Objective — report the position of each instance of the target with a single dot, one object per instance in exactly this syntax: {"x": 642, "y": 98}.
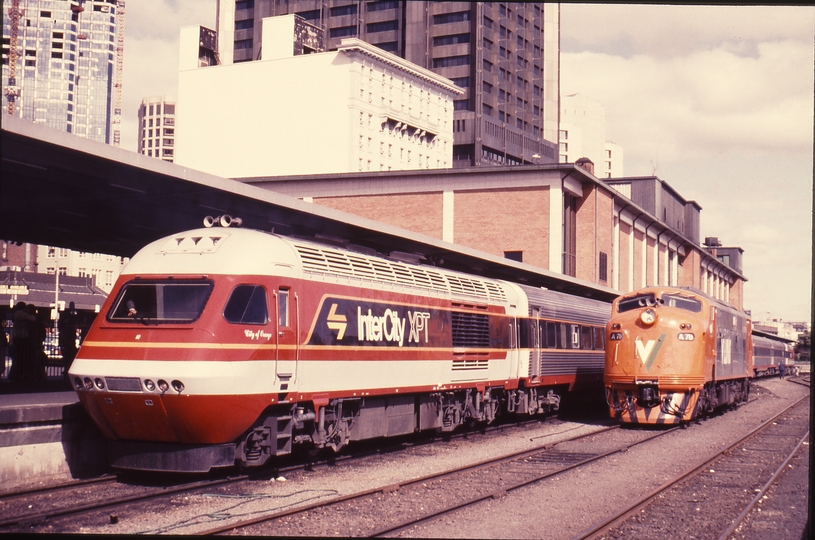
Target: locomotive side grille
{"x": 123, "y": 384}
{"x": 383, "y": 271}
{"x": 328, "y": 261}
{"x": 470, "y": 330}
{"x": 471, "y": 365}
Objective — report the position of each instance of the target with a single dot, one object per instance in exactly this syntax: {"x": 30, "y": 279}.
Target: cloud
{"x": 665, "y": 31}
{"x": 718, "y": 102}
{"x": 704, "y": 102}
{"x": 152, "y": 29}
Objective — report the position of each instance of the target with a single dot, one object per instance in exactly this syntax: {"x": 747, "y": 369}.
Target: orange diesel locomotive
{"x": 673, "y": 354}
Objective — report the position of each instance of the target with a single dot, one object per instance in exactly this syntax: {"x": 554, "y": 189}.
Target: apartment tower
{"x": 504, "y": 55}
{"x": 157, "y": 128}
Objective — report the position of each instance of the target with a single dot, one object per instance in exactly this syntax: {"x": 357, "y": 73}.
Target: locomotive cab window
{"x": 247, "y": 305}
{"x": 160, "y": 301}
{"x": 682, "y": 302}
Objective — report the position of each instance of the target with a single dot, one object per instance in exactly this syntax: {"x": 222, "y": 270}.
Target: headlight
{"x": 649, "y": 316}
{"x": 100, "y": 384}
{"x": 178, "y": 386}
{"x": 149, "y": 385}
{"x": 162, "y": 385}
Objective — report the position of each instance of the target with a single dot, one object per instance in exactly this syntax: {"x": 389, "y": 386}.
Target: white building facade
{"x": 157, "y": 127}
{"x": 355, "y": 109}
{"x": 583, "y": 134}
{"x": 103, "y": 268}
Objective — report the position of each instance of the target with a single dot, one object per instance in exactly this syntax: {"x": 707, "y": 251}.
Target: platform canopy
{"x": 62, "y": 190}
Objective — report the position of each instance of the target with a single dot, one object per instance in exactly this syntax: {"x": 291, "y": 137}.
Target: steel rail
{"x": 763, "y": 490}
{"x": 500, "y": 493}
{"x": 628, "y": 511}
{"x": 57, "y": 487}
{"x": 397, "y": 486}
{"x": 37, "y": 517}
{"x": 98, "y": 505}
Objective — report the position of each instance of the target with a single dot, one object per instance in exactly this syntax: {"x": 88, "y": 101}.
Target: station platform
{"x": 45, "y": 435}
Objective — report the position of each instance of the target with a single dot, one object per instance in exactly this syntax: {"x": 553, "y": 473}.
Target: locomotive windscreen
{"x": 682, "y": 302}
{"x": 161, "y": 301}
{"x": 640, "y": 300}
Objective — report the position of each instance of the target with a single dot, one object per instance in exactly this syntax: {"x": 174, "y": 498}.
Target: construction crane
{"x": 117, "y": 75}
{"x": 12, "y": 91}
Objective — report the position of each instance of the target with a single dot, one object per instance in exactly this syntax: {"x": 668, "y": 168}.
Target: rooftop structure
{"x": 504, "y": 56}
{"x": 358, "y": 108}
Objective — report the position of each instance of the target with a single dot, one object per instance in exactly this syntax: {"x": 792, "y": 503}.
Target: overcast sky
{"x": 715, "y": 100}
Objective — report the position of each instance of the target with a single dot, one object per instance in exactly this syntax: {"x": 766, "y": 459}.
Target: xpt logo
{"x": 391, "y": 326}
{"x": 647, "y": 351}
{"x": 337, "y": 322}
{"x": 375, "y": 323}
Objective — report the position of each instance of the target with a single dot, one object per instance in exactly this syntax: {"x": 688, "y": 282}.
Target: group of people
{"x": 28, "y": 334}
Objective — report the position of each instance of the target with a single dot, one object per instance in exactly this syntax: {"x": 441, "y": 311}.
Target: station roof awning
{"x": 62, "y": 190}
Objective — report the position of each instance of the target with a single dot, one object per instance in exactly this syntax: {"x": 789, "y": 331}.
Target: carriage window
{"x": 638, "y": 301}
{"x": 247, "y": 305}
{"x": 160, "y": 301}
{"x": 283, "y": 306}
{"x": 599, "y": 339}
{"x": 562, "y": 336}
{"x": 574, "y": 332}
{"x": 550, "y": 339}
{"x": 586, "y": 339}
{"x": 682, "y": 302}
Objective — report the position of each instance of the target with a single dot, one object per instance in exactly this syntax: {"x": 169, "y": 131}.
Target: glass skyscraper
{"x": 66, "y": 64}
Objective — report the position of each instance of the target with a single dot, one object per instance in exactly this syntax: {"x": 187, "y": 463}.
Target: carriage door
{"x": 535, "y": 345}
{"x": 287, "y": 327}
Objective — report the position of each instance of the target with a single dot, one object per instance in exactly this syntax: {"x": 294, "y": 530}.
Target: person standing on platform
{"x": 19, "y": 341}
{"x": 34, "y": 357}
{"x": 68, "y": 324}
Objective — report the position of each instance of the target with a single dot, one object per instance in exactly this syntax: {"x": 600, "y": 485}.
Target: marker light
{"x": 648, "y": 316}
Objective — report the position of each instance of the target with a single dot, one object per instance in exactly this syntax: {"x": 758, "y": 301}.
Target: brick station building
{"x": 624, "y": 233}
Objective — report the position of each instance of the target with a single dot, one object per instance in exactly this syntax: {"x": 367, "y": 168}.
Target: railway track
{"x": 715, "y": 483}
{"x": 396, "y": 506}
{"x": 418, "y": 500}
{"x": 28, "y": 508}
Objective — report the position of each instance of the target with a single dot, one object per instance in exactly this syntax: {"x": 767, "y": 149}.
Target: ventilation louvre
{"x": 321, "y": 260}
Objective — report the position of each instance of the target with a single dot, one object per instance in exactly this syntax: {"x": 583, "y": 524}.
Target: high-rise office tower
{"x": 157, "y": 128}
{"x": 62, "y": 63}
{"x": 505, "y": 56}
